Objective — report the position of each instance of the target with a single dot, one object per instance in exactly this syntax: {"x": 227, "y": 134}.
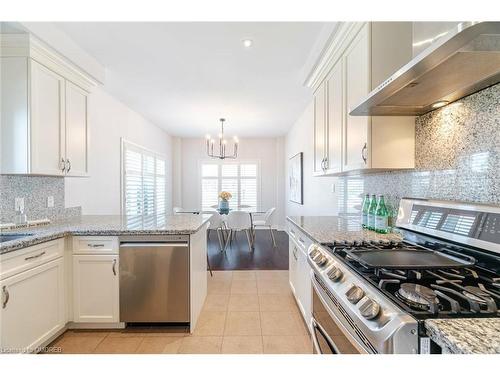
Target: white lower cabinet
{"x": 33, "y": 307}
{"x": 300, "y": 272}
{"x": 304, "y": 294}
{"x": 96, "y": 289}
{"x": 293, "y": 265}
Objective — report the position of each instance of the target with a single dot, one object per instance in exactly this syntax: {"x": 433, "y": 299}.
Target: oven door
{"x": 327, "y": 334}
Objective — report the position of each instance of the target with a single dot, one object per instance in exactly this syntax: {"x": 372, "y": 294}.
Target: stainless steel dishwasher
{"x": 154, "y": 279}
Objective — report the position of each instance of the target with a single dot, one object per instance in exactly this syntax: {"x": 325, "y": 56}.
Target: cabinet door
{"x": 47, "y": 120}
{"x": 305, "y": 291}
{"x": 76, "y": 130}
{"x": 357, "y": 81}
{"x": 95, "y": 288}
{"x": 319, "y": 128}
{"x": 33, "y": 306}
{"x": 293, "y": 265}
{"x": 335, "y": 119}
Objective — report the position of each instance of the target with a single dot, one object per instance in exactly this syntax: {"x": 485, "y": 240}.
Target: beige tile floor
{"x": 246, "y": 312}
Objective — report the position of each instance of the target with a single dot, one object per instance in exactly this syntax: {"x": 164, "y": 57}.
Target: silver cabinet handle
{"x": 69, "y": 165}
{"x": 95, "y": 245}
{"x": 326, "y": 163}
{"x": 63, "y": 165}
{"x": 300, "y": 240}
{"x": 295, "y": 253}
{"x": 363, "y": 150}
{"x": 114, "y": 267}
{"x": 35, "y": 256}
{"x": 6, "y": 296}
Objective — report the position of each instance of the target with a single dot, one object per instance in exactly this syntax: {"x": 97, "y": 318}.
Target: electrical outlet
{"x": 19, "y": 204}
{"x": 50, "y": 201}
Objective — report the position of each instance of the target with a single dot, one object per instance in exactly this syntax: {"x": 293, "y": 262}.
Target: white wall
{"x": 318, "y": 197}
{"x": 268, "y": 151}
{"x": 109, "y": 121}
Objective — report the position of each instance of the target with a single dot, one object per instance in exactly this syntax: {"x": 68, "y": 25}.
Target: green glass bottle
{"x": 381, "y": 216}
{"x": 364, "y": 211}
{"x": 371, "y": 212}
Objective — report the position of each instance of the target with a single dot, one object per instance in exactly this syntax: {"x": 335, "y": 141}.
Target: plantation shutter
{"x": 241, "y": 180}
{"x": 144, "y": 184}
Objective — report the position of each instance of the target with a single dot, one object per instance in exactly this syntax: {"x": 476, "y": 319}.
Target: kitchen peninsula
{"x": 69, "y": 273}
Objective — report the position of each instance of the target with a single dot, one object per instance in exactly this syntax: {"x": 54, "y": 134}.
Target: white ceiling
{"x": 184, "y": 76}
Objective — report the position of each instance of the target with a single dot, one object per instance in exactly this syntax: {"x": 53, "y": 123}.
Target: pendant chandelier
{"x": 222, "y": 145}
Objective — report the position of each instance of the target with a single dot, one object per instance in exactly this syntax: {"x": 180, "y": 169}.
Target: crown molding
{"x": 26, "y": 45}
{"x": 335, "y": 46}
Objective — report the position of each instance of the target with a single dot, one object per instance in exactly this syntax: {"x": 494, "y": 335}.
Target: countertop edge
{"x": 41, "y": 238}
{"x": 455, "y": 345}
{"x": 288, "y": 218}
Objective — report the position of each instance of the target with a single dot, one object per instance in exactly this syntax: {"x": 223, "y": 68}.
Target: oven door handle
{"x": 316, "y": 327}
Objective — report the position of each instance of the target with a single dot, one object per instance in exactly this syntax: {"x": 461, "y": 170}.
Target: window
{"x": 144, "y": 186}
{"x": 240, "y": 179}
{"x": 351, "y": 195}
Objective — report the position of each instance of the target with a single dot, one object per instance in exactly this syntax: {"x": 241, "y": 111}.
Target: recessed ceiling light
{"x": 247, "y": 42}
{"x": 439, "y": 104}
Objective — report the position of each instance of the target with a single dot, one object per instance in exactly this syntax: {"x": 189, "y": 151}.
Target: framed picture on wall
{"x": 295, "y": 179}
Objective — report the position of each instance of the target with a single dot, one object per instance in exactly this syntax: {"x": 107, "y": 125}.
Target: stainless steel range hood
{"x": 464, "y": 61}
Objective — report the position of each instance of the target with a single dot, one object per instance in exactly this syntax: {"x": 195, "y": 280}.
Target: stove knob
{"x": 316, "y": 256}
{"x": 334, "y": 274}
{"x": 368, "y": 308}
{"x": 354, "y": 294}
{"x": 313, "y": 253}
{"x": 320, "y": 260}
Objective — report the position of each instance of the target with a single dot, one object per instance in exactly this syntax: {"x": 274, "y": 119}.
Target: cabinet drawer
{"x": 95, "y": 245}
{"x": 22, "y": 260}
{"x": 299, "y": 237}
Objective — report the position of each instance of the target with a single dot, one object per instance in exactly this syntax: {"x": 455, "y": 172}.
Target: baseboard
{"x": 73, "y": 325}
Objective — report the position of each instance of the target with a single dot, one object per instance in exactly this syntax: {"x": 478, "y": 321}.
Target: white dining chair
{"x": 266, "y": 223}
{"x": 216, "y": 224}
{"x": 237, "y": 221}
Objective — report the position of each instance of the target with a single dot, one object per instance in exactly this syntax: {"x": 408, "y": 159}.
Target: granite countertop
{"x": 105, "y": 225}
{"x": 329, "y": 229}
{"x": 465, "y": 336}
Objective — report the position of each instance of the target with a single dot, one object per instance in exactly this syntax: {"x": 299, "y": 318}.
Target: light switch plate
{"x": 50, "y": 201}
{"x": 333, "y": 188}
{"x": 19, "y": 204}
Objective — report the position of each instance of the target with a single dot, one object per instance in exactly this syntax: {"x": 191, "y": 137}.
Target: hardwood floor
{"x": 238, "y": 257}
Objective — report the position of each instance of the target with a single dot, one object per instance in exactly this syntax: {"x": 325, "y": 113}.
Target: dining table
{"x": 250, "y": 210}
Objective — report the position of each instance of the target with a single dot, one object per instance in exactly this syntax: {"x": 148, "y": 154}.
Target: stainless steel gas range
{"x": 375, "y": 297}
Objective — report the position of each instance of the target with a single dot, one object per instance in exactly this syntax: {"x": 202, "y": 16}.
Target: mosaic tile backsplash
{"x": 457, "y": 157}
{"x": 35, "y": 191}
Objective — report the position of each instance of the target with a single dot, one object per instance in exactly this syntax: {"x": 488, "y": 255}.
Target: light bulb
{"x": 439, "y": 104}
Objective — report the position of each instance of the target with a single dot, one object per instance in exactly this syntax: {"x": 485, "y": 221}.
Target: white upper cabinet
{"x": 44, "y": 120}
{"x": 335, "y": 119}
{"x": 76, "y": 130}
{"x": 320, "y": 123}
{"x": 357, "y": 80}
{"x": 47, "y": 120}
{"x": 362, "y": 55}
